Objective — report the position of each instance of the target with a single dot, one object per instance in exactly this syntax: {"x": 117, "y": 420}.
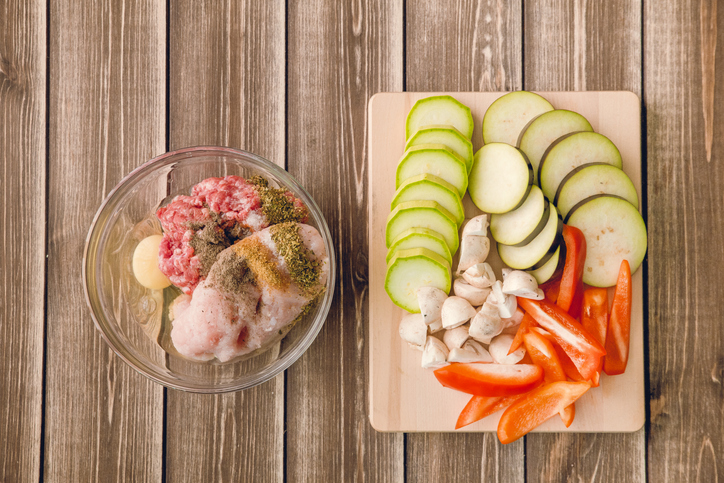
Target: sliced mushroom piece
{"x": 480, "y": 275}
{"x": 435, "y": 354}
{"x": 471, "y": 351}
{"x": 522, "y": 284}
{"x": 505, "y": 271}
{"x": 435, "y": 326}
{"x": 506, "y": 303}
{"x": 473, "y": 250}
{"x": 475, "y": 295}
{"x": 476, "y": 226}
{"x": 430, "y": 300}
{"x": 486, "y": 324}
{"x": 515, "y": 320}
{"x": 455, "y": 338}
{"x": 413, "y": 329}
{"x": 499, "y": 347}
{"x": 456, "y": 311}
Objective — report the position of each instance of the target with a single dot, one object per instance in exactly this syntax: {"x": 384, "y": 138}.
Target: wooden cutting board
{"x": 405, "y": 397}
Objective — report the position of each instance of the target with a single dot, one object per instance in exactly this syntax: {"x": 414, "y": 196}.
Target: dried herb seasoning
{"x": 303, "y": 269}
{"x": 278, "y": 204}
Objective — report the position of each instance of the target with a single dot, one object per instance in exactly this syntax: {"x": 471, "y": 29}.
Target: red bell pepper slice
{"x": 544, "y": 354}
{"x": 482, "y": 379}
{"x": 551, "y": 289}
{"x": 594, "y": 318}
{"x": 619, "y": 324}
{"x": 581, "y": 347}
{"x": 523, "y": 328}
{"x": 536, "y": 407}
{"x": 480, "y": 407}
{"x": 568, "y": 366}
{"x": 570, "y": 296}
{"x": 568, "y": 413}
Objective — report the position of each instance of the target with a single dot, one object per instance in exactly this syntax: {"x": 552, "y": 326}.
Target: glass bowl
{"x": 134, "y": 320}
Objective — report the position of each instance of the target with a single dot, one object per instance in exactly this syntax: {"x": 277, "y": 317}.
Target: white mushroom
{"x": 522, "y": 284}
{"x": 506, "y": 303}
{"x": 430, "y": 300}
{"x": 505, "y": 271}
{"x": 499, "y": 347}
{"x": 476, "y": 226}
{"x": 435, "y": 354}
{"x": 480, "y": 275}
{"x": 515, "y": 320}
{"x": 435, "y": 326}
{"x": 473, "y": 249}
{"x": 475, "y": 295}
{"x": 455, "y": 338}
{"x": 486, "y": 324}
{"x": 456, "y": 311}
{"x": 472, "y": 351}
{"x": 413, "y": 330}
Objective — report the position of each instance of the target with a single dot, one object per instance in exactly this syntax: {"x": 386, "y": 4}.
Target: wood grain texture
{"x": 22, "y": 250}
{"x": 226, "y": 81}
{"x": 103, "y": 421}
{"x": 465, "y": 46}
{"x": 340, "y": 53}
{"x": 584, "y": 45}
{"x": 683, "y": 81}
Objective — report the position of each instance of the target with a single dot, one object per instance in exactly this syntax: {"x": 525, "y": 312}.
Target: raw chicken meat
{"x": 253, "y": 293}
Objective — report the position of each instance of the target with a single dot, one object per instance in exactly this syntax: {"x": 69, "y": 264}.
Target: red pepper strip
{"x": 482, "y": 379}
{"x": 567, "y": 414}
{"x": 536, "y": 407}
{"x": 480, "y": 407}
{"x": 594, "y": 318}
{"x": 570, "y": 297}
{"x": 524, "y": 327}
{"x": 568, "y": 366}
{"x": 580, "y": 346}
{"x": 551, "y": 288}
{"x": 619, "y": 324}
{"x": 543, "y": 353}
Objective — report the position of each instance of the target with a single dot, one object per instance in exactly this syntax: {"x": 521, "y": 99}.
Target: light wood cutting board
{"x": 405, "y": 397}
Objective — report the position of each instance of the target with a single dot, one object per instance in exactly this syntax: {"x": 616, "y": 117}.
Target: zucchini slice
{"x": 506, "y": 118}
{"x": 430, "y": 187}
{"x": 546, "y": 128}
{"x": 436, "y": 110}
{"x": 411, "y": 269}
{"x": 520, "y": 226}
{"x": 422, "y": 214}
{"x": 500, "y": 179}
{"x": 447, "y": 135}
{"x": 614, "y": 230}
{"x": 571, "y": 151}
{"x": 544, "y": 273}
{"x": 435, "y": 159}
{"x": 536, "y": 253}
{"x": 420, "y": 238}
{"x": 594, "y": 179}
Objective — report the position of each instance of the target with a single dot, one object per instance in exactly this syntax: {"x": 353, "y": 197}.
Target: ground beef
{"x": 230, "y": 203}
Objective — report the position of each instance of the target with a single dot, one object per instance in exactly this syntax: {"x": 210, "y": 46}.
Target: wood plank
{"x": 683, "y": 81}
{"x": 227, "y": 88}
{"x": 340, "y": 53}
{"x": 584, "y": 45}
{"x": 22, "y": 251}
{"x": 466, "y": 46}
{"x": 403, "y": 396}
{"x": 104, "y": 421}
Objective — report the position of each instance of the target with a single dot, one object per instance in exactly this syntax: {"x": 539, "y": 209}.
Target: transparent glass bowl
{"x": 134, "y": 320}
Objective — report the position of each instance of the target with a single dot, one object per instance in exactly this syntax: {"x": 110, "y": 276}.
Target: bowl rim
{"x": 298, "y": 349}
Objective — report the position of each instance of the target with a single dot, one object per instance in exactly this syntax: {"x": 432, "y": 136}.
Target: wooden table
{"x": 90, "y": 90}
